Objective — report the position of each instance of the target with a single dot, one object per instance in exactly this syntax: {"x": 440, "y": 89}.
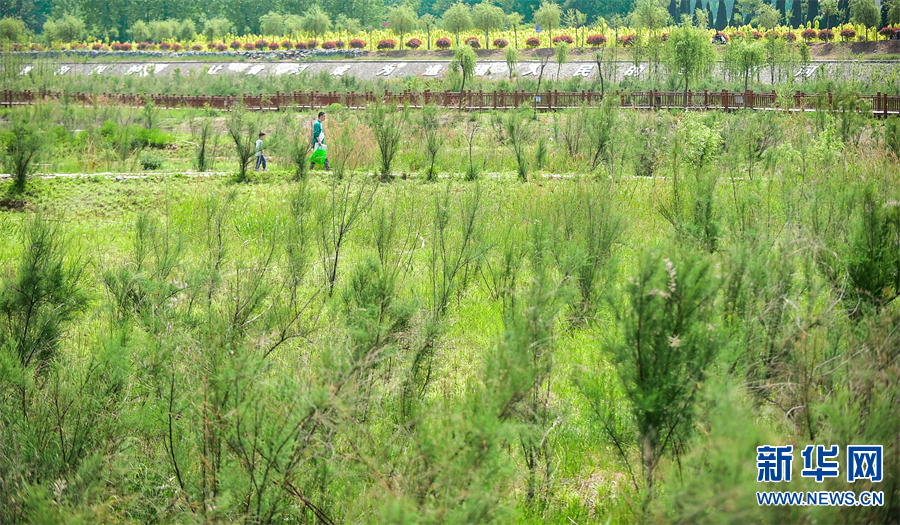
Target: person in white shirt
{"x": 260, "y": 157}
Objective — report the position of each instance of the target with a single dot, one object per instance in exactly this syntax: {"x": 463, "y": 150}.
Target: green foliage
{"x": 872, "y": 256}
{"x": 515, "y": 127}
{"x": 151, "y": 160}
{"x": 217, "y": 28}
{"x": 402, "y": 19}
{"x": 388, "y": 127}
{"x": 376, "y": 318}
{"x": 511, "y": 55}
{"x": 865, "y": 12}
{"x": 206, "y": 139}
{"x": 65, "y": 29}
{"x": 694, "y": 214}
{"x": 242, "y": 129}
{"x": 163, "y": 30}
{"x": 648, "y": 14}
{"x": 186, "y": 31}
{"x": 12, "y": 30}
{"x": 804, "y": 53}
{"x": 583, "y": 224}
{"x": 336, "y": 350}
{"x": 689, "y": 52}
{"x": 548, "y": 15}
{"x": 668, "y": 343}
{"x": 315, "y": 21}
{"x": 893, "y": 11}
{"x": 562, "y": 56}
{"x": 457, "y": 18}
{"x": 300, "y": 149}
{"x": 486, "y": 16}
{"x": 41, "y": 298}
{"x": 464, "y": 60}
{"x": 892, "y": 135}
{"x": 271, "y": 23}
{"x": 600, "y": 133}
{"x": 521, "y": 366}
{"x": 140, "y": 31}
{"x": 541, "y": 152}
{"x": 346, "y": 203}
{"x": 769, "y": 17}
{"x": 22, "y": 145}
{"x": 429, "y": 128}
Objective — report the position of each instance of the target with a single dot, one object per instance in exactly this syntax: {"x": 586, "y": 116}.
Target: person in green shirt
{"x": 318, "y": 140}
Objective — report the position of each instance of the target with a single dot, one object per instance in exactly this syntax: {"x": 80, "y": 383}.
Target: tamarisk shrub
{"x": 667, "y": 343}
{"x": 242, "y": 129}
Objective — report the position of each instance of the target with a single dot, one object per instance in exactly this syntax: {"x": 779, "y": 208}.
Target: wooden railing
{"x": 880, "y": 104}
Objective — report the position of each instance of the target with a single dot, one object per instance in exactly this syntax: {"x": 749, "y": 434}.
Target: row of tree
{"x": 78, "y": 19}
{"x": 796, "y": 13}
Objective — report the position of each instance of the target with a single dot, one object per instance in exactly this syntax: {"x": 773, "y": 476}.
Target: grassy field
{"x": 591, "y": 317}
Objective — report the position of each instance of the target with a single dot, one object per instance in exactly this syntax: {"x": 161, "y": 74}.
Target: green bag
{"x": 318, "y": 156}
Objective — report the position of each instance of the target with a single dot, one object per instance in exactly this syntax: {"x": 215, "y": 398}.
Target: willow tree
{"x": 514, "y": 21}
{"x": 463, "y": 62}
{"x": 548, "y": 15}
{"x": 457, "y": 19}
{"x": 689, "y": 52}
{"x": 742, "y": 58}
{"x": 487, "y": 16}
{"x": 315, "y": 21}
{"x": 402, "y": 20}
{"x": 427, "y": 22}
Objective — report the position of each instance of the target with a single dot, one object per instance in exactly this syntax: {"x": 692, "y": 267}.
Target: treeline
{"x": 69, "y": 20}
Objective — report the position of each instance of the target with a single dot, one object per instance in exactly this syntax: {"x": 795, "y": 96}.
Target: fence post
{"x": 725, "y": 100}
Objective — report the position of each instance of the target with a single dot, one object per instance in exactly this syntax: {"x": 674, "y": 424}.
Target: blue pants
{"x": 260, "y": 161}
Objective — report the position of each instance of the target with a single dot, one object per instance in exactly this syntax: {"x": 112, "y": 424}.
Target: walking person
{"x": 260, "y": 157}
{"x": 318, "y": 140}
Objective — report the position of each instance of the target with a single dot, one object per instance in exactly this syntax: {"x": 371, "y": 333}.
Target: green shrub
{"x": 22, "y": 145}
{"x": 668, "y": 341}
{"x": 42, "y": 297}
{"x": 151, "y": 160}
{"x": 892, "y": 135}
{"x": 387, "y": 125}
{"x": 872, "y": 259}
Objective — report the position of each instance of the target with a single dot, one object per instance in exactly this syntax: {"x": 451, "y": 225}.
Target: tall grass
{"x": 338, "y": 350}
